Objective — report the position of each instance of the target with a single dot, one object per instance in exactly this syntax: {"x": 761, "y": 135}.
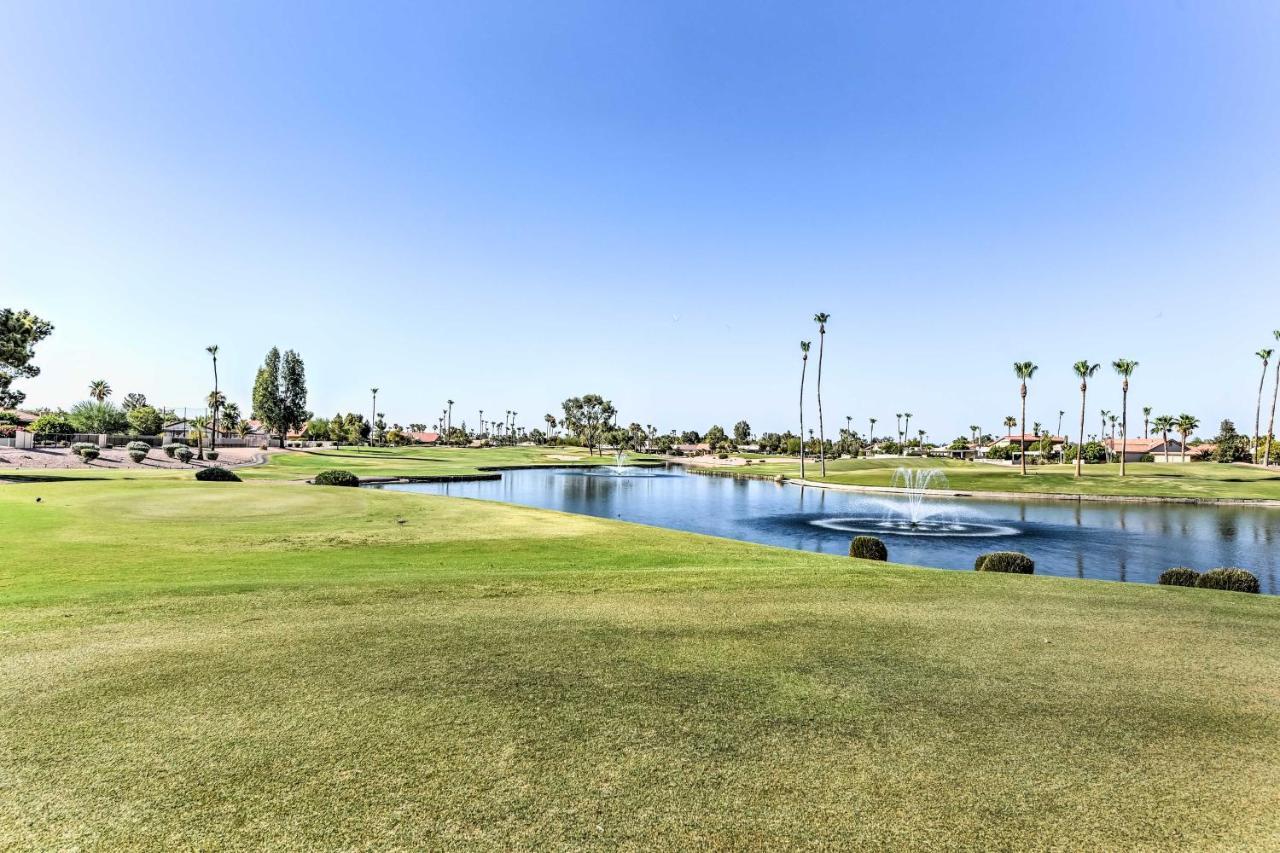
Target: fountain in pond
{"x": 918, "y": 515}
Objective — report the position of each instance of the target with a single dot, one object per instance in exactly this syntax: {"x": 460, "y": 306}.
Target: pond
{"x": 1110, "y": 541}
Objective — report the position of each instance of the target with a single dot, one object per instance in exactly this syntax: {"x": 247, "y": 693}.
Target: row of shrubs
{"x": 1229, "y": 578}
{"x": 1013, "y": 562}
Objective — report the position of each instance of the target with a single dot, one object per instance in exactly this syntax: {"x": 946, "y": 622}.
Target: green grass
{"x": 1143, "y": 479}
{"x": 264, "y": 664}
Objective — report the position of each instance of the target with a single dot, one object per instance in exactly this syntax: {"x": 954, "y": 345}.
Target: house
{"x": 18, "y": 417}
{"x": 424, "y": 437}
{"x": 693, "y": 449}
{"x": 1024, "y": 442}
{"x": 1136, "y": 448}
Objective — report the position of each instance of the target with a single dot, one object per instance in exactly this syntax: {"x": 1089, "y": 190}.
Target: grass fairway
{"x": 1144, "y": 479}
{"x": 265, "y": 664}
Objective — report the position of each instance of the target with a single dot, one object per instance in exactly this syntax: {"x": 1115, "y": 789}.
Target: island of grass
{"x": 262, "y": 664}
{"x": 1197, "y": 480}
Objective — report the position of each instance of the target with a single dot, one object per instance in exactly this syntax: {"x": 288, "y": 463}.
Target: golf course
{"x": 274, "y": 664}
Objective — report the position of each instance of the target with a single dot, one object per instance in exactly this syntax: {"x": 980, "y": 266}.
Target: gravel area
{"x": 12, "y": 459}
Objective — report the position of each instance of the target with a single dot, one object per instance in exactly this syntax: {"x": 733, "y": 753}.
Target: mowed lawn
{"x": 187, "y": 665}
{"x": 1143, "y": 479}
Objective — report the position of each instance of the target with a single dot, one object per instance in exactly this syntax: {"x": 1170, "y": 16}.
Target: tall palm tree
{"x": 1124, "y": 368}
{"x": 1085, "y": 371}
{"x": 231, "y": 413}
{"x": 906, "y": 428}
{"x": 821, "y": 319}
{"x": 804, "y": 366}
{"x": 871, "y": 435}
{"x": 898, "y": 415}
{"x": 1009, "y": 423}
{"x": 1186, "y": 425}
{"x": 373, "y": 412}
{"x": 448, "y": 424}
{"x": 515, "y": 433}
{"x": 1061, "y": 412}
{"x": 551, "y": 424}
{"x": 1271, "y": 422}
{"x": 1264, "y": 354}
{"x": 1024, "y": 370}
{"x": 216, "y": 400}
{"x": 1146, "y": 422}
{"x": 973, "y": 429}
{"x": 99, "y": 390}
{"x": 1164, "y": 423}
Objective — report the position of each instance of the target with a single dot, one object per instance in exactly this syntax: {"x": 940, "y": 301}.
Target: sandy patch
{"x": 12, "y": 459}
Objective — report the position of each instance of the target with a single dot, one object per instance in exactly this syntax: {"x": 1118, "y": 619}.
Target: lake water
{"x": 1110, "y": 541}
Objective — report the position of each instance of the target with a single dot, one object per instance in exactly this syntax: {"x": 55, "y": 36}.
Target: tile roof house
{"x": 1136, "y": 448}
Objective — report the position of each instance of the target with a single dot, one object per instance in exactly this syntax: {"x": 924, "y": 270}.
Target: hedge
{"x": 1179, "y": 576}
{"x": 868, "y": 548}
{"x": 1010, "y": 562}
{"x": 1230, "y": 579}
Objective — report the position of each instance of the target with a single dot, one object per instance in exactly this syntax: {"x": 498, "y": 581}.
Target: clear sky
{"x": 510, "y": 203}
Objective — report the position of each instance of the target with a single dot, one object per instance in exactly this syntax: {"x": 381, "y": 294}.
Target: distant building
{"x": 424, "y": 437}
{"x": 1136, "y": 448}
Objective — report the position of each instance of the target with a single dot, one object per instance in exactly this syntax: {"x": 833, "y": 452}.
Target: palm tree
{"x": 198, "y": 426}
{"x": 1164, "y": 423}
{"x": 215, "y": 397}
{"x": 482, "y": 426}
{"x": 515, "y": 433}
{"x": 1009, "y": 423}
{"x": 99, "y": 390}
{"x": 821, "y": 320}
{"x": 1271, "y": 423}
{"x": 231, "y": 413}
{"x": 1146, "y": 421}
{"x": 804, "y": 366}
{"x": 551, "y": 424}
{"x": 898, "y": 415}
{"x": 1061, "y": 412}
{"x": 973, "y": 429}
{"x": 374, "y": 412}
{"x": 449, "y": 420}
{"x": 1085, "y": 371}
{"x": 1124, "y": 368}
{"x": 1186, "y": 425}
{"x": 1264, "y": 354}
{"x": 906, "y": 428}
{"x": 1024, "y": 370}
{"x": 871, "y": 435}
{"x": 243, "y": 428}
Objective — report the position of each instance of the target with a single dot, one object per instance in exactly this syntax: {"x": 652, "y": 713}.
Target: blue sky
{"x": 510, "y": 203}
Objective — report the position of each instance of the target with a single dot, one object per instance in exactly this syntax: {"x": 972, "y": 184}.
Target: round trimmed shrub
{"x": 211, "y": 455}
{"x": 1230, "y": 579}
{"x": 88, "y": 454}
{"x": 79, "y": 447}
{"x": 217, "y": 475}
{"x": 137, "y": 455}
{"x": 171, "y": 449}
{"x": 182, "y": 453}
{"x": 336, "y": 477}
{"x": 1010, "y": 562}
{"x": 1179, "y": 576}
{"x": 868, "y": 548}
{"x": 138, "y": 445}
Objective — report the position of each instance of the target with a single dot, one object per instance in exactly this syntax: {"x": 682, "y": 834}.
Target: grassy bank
{"x": 267, "y": 664}
{"x": 1144, "y": 479}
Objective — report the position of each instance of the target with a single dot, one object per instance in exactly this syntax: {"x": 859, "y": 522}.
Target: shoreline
{"x": 978, "y": 494}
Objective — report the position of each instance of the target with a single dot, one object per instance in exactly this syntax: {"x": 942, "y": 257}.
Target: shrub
{"x": 868, "y": 548}
{"x": 51, "y": 424}
{"x": 137, "y": 455}
{"x": 170, "y": 449}
{"x": 79, "y": 447}
{"x": 88, "y": 454}
{"x": 1230, "y": 579}
{"x": 336, "y": 478}
{"x": 216, "y": 475}
{"x": 138, "y": 445}
{"x": 1005, "y": 561}
{"x": 182, "y": 453}
{"x": 211, "y": 455}
{"x": 1179, "y": 576}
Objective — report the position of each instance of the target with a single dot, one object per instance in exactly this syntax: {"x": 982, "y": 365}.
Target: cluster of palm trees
{"x": 1258, "y": 446}
{"x": 821, "y": 319}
